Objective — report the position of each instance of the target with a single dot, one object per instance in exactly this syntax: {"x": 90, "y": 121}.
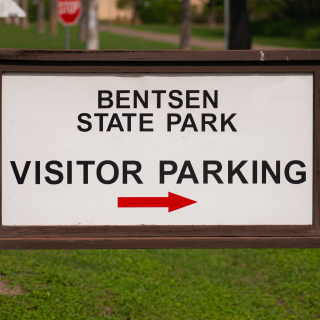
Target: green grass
{"x": 160, "y": 28}
{"x": 14, "y": 37}
{"x": 197, "y": 31}
{"x": 287, "y": 42}
{"x": 204, "y": 32}
{"x": 162, "y": 284}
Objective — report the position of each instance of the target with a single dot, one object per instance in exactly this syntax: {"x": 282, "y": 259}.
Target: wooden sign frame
{"x": 152, "y": 236}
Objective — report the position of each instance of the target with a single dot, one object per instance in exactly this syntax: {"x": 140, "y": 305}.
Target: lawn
{"x": 217, "y": 33}
{"x": 235, "y": 284}
{"x": 14, "y": 37}
{"x": 162, "y": 284}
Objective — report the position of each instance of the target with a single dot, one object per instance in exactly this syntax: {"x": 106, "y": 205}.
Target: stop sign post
{"x": 68, "y": 13}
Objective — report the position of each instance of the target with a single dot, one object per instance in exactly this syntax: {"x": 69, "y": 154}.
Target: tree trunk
{"x": 93, "y": 32}
{"x": 8, "y": 20}
{"x": 185, "y": 25}
{"x": 134, "y": 12}
{"x": 25, "y": 21}
{"x": 240, "y": 36}
{"x": 53, "y": 18}
{"x": 83, "y": 22}
{"x": 211, "y": 14}
{"x": 41, "y": 24}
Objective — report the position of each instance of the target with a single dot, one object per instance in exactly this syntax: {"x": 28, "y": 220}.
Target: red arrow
{"x": 172, "y": 202}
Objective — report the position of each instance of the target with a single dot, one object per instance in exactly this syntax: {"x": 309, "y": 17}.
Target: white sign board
{"x": 92, "y": 149}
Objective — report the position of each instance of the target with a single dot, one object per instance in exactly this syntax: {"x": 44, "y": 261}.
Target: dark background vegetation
{"x": 291, "y": 18}
{"x": 269, "y": 18}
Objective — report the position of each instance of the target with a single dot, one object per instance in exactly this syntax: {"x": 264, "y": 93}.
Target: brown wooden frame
{"x": 93, "y": 237}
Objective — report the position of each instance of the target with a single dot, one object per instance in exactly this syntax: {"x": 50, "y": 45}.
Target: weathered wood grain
{"x": 161, "y": 243}
{"x": 156, "y": 231}
{"x": 137, "y": 56}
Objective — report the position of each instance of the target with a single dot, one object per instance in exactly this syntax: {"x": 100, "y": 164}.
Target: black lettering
{"x": 209, "y": 122}
{"x": 115, "y": 172}
{"x": 37, "y": 165}
{"x": 189, "y": 99}
{"x": 133, "y": 172}
{"x": 236, "y": 170}
{"x": 88, "y": 123}
{"x": 254, "y": 172}
{"x": 206, "y": 96}
{"x": 136, "y": 96}
{"x": 158, "y": 93}
{"x": 115, "y": 123}
{"x": 85, "y": 165}
{"x": 119, "y": 99}
{"x": 20, "y": 179}
{"x": 215, "y": 172}
{"x": 101, "y": 98}
{"x": 302, "y": 174}
{"x": 191, "y": 125}
{"x": 171, "y": 122}
{"x": 69, "y": 172}
{"x": 54, "y": 171}
{"x": 274, "y": 176}
{"x": 101, "y": 115}
{"x": 129, "y": 116}
{"x": 228, "y": 121}
{"x": 191, "y": 175}
{"x": 164, "y": 172}
{"x": 172, "y": 97}
{"x": 143, "y": 121}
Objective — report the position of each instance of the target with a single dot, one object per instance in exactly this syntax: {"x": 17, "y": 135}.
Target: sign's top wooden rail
{"x": 160, "y": 56}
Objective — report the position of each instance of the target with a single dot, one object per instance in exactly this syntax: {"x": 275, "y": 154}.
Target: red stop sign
{"x": 69, "y": 11}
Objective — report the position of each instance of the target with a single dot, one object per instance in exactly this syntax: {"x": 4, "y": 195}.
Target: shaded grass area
{"x": 197, "y": 31}
{"x": 162, "y": 284}
{"x": 207, "y": 33}
{"x": 14, "y": 37}
{"x": 287, "y": 42}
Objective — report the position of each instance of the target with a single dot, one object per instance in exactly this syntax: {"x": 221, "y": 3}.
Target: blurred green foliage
{"x": 288, "y": 18}
{"x": 12, "y": 36}
{"x": 33, "y": 10}
{"x": 287, "y": 28}
{"x": 155, "y": 11}
{"x": 302, "y": 11}
{"x": 159, "y": 11}
{"x": 269, "y": 18}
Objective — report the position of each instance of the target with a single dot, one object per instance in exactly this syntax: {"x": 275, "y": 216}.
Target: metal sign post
{"x": 169, "y": 149}
{"x": 226, "y": 23}
{"x": 67, "y": 37}
{"x": 68, "y": 13}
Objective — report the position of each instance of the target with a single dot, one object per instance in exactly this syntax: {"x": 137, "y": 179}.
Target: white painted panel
{"x": 274, "y": 122}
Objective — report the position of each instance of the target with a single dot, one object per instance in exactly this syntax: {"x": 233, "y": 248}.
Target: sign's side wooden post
{"x": 316, "y": 164}
{"x": 0, "y": 148}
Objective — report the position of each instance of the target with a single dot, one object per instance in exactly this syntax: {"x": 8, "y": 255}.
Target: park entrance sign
{"x": 141, "y": 150}
{"x": 107, "y": 149}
